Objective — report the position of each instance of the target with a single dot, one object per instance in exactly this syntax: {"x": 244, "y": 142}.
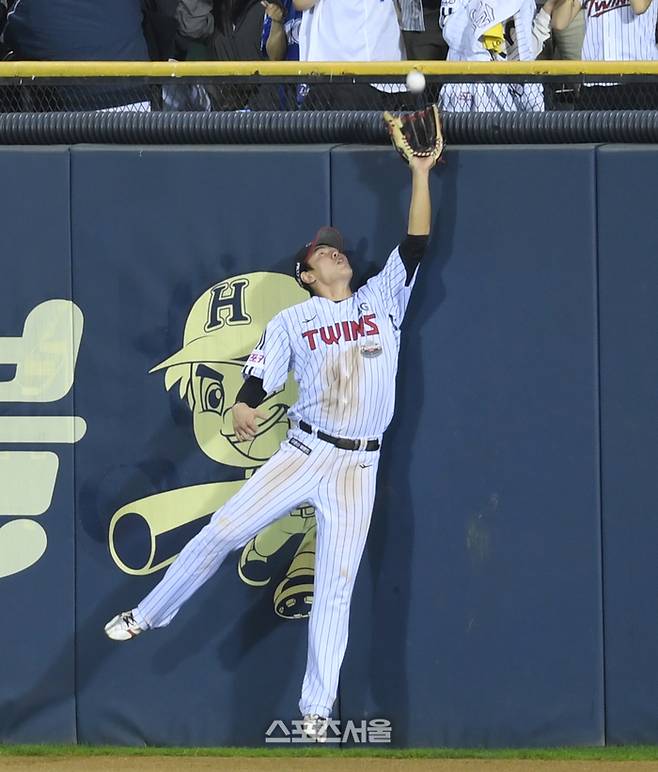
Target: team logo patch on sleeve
{"x": 299, "y": 445}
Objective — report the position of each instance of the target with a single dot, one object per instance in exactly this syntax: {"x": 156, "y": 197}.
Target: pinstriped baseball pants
{"x": 340, "y": 484}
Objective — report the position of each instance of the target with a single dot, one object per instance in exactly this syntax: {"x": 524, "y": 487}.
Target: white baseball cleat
{"x": 315, "y": 728}
{"x": 122, "y": 627}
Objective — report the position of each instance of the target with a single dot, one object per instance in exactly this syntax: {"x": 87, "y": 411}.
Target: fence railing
{"x": 540, "y": 101}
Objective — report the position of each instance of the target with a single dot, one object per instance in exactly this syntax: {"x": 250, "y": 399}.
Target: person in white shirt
{"x": 350, "y": 31}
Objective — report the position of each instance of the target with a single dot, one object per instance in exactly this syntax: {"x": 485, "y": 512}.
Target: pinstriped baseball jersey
{"x": 614, "y": 32}
{"x": 344, "y": 355}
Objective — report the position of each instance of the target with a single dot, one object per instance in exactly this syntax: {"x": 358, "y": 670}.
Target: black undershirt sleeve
{"x": 411, "y": 251}
{"x": 252, "y": 392}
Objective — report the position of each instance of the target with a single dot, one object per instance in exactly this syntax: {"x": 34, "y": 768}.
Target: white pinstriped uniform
{"x": 341, "y": 392}
{"x": 614, "y": 32}
{"x": 344, "y": 391}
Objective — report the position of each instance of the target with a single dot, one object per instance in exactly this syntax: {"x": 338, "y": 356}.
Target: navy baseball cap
{"x": 326, "y": 236}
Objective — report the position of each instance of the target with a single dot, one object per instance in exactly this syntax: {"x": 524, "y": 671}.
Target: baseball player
{"x": 342, "y": 347}
{"x": 623, "y": 30}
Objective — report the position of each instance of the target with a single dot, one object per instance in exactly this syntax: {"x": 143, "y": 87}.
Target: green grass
{"x": 612, "y": 753}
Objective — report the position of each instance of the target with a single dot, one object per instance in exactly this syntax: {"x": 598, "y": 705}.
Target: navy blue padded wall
{"x": 37, "y": 674}
{"x": 628, "y": 285}
{"x": 155, "y": 229}
{"x": 477, "y": 615}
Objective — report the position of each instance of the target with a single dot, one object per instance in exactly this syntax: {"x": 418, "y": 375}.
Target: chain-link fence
{"x": 453, "y": 93}
{"x": 238, "y": 102}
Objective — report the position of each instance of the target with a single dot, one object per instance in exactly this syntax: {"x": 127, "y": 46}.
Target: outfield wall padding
{"x": 506, "y": 591}
{"x": 37, "y": 501}
{"x": 487, "y": 538}
{"x": 628, "y": 282}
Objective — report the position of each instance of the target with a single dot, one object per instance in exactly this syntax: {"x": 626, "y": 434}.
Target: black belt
{"x": 340, "y": 442}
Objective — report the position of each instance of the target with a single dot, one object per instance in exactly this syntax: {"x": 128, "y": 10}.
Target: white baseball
{"x": 415, "y": 82}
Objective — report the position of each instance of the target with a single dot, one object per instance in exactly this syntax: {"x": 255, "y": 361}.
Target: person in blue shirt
{"x": 80, "y": 30}
{"x": 280, "y": 38}
{"x": 77, "y": 30}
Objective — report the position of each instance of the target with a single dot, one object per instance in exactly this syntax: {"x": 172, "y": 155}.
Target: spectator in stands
{"x": 419, "y": 20}
{"x": 224, "y": 30}
{"x": 79, "y": 30}
{"x": 9, "y": 95}
{"x": 238, "y": 30}
{"x": 5, "y": 50}
{"x": 479, "y": 31}
{"x": 350, "y": 31}
{"x": 280, "y": 38}
{"x": 160, "y": 29}
{"x": 614, "y": 31}
{"x": 566, "y": 43}
{"x": 195, "y": 20}
{"x": 281, "y": 41}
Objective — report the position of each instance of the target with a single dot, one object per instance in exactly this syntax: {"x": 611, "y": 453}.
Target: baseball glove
{"x": 416, "y": 134}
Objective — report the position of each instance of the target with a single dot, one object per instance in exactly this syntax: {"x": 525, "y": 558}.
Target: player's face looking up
{"x": 329, "y": 272}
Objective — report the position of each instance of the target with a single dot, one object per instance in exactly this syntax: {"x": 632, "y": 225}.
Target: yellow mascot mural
{"x": 222, "y": 328}
{"x": 44, "y": 357}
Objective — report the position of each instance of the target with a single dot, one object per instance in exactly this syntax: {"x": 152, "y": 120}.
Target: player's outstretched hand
{"x": 245, "y": 425}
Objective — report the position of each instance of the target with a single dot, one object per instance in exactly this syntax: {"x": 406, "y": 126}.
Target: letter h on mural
{"x": 40, "y": 365}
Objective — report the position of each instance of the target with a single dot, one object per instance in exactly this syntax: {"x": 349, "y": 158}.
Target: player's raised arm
{"x": 418, "y": 139}
{"x": 413, "y": 246}
{"x": 420, "y": 208}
